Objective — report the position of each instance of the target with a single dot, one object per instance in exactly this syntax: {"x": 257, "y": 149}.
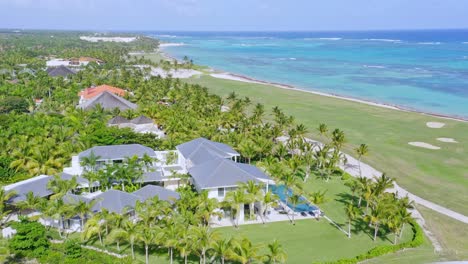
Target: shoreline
{"x": 220, "y": 74}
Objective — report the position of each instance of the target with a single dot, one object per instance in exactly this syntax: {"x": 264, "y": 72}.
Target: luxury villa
{"x": 211, "y": 167}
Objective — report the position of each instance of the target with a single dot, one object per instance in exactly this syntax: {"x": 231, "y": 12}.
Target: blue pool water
{"x": 424, "y": 70}
{"x": 281, "y": 191}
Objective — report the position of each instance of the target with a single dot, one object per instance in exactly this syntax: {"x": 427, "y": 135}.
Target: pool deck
{"x": 274, "y": 216}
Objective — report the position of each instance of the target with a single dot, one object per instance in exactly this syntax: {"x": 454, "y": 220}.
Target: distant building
{"x": 141, "y": 124}
{"x": 73, "y": 62}
{"x": 60, "y": 71}
{"x": 91, "y": 92}
{"x": 108, "y": 101}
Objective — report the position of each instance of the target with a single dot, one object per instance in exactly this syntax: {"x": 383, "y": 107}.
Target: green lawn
{"x": 309, "y": 240}
{"x": 154, "y": 57}
{"x": 437, "y": 175}
{"x": 451, "y": 234}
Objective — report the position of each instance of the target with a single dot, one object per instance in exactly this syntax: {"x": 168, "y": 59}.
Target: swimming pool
{"x": 281, "y": 191}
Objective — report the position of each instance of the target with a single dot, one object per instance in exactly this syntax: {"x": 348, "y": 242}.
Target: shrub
{"x": 417, "y": 240}
{"x": 30, "y": 239}
{"x": 72, "y": 249}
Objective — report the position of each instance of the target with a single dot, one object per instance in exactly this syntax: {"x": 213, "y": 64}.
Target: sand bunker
{"x": 447, "y": 140}
{"x": 435, "y": 124}
{"x": 423, "y": 145}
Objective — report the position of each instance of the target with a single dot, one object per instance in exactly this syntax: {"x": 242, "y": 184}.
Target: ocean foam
{"x": 322, "y": 38}
{"x": 430, "y": 43}
{"x": 374, "y": 66}
{"x": 385, "y": 40}
{"x": 166, "y": 36}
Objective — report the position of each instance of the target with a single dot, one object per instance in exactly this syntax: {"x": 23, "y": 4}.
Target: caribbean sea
{"x": 424, "y": 70}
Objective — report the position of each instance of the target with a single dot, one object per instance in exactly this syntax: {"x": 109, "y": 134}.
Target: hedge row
{"x": 418, "y": 239}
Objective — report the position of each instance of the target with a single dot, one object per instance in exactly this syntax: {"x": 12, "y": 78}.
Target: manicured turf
{"x": 451, "y": 234}
{"x": 437, "y": 175}
{"x": 155, "y": 57}
{"x": 309, "y": 240}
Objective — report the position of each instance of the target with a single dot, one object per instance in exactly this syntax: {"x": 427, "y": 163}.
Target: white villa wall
{"x": 75, "y": 168}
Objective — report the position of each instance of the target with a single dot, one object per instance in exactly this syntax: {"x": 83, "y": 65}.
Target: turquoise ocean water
{"x": 419, "y": 70}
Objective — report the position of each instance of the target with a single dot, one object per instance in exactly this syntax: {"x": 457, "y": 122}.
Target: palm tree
{"x": 277, "y": 253}
{"x": 281, "y": 151}
{"x": 317, "y": 197}
{"x": 30, "y": 203}
{"x": 290, "y": 182}
{"x": 222, "y": 248}
{"x": 323, "y": 129}
{"x": 247, "y": 149}
{"x": 361, "y": 151}
{"x": 170, "y": 235}
{"x": 185, "y": 243}
{"x": 363, "y": 186}
{"x": 206, "y": 208}
{"x": 236, "y": 200}
{"x": 245, "y": 252}
{"x": 204, "y": 238}
{"x": 84, "y": 209}
{"x": 295, "y": 200}
{"x": 5, "y": 197}
{"x": 376, "y": 217}
{"x": 93, "y": 227}
{"x": 56, "y": 209}
{"x": 90, "y": 162}
{"x": 147, "y": 236}
{"x": 405, "y": 217}
{"x": 131, "y": 230}
{"x": 383, "y": 183}
{"x": 351, "y": 212}
{"x": 338, "y": 139}
{"x": 269, "y": 199}
{"x": 117, "y": 235}
{"x": 255, "y": 192}
{"x": 61, "y": 187}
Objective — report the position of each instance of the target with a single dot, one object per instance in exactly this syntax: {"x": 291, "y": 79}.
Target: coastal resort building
{"x": 108, "y": 101}
{"x": 61, "y": 70}
{"x": 200, "y": 150}
{"x": 209, "y": 166}
{"x": 93, "y": 91}
{"x": 141, "y": 124}
{"x": 108, "y": 155}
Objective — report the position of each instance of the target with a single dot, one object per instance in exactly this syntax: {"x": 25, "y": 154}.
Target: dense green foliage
{"x": 41, "y": 138}
{"x": 418, "y": 239}
{"x": 30, "y": 239}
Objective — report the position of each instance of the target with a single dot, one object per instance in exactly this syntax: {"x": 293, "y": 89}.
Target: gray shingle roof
{"x": 74, "y": 199}
{"x": 108, "y": 101}
{"x": 115, "y": 201}
{"x": 223, "y": 173}
{"x": 118, "y": 120}
{"x": 201, "y": 150}
{"x": 142, "y": 120}
{"x": 118, "y": 151}
{"x": 37, "y": 185}
{"x": 151, "y": 176}
{"x": 60, "y": 71}
{"x": 149, "y": 191}
{"x": 79, "y": 180}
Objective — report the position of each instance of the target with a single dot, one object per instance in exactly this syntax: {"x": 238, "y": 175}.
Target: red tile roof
{"x": 92, "y": 92}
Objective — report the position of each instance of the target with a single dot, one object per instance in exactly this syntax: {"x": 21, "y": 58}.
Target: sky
{"x": 233, "y": 15}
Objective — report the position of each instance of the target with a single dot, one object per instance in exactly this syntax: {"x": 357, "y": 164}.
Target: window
{"x": 220, "y": 192}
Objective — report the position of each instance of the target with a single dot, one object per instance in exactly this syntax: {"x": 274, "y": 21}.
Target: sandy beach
{"x": 108, "y": 39}
{"x": 236, "y": 77}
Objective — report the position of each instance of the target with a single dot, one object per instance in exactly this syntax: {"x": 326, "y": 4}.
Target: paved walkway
{"x": 352, "y": 167}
